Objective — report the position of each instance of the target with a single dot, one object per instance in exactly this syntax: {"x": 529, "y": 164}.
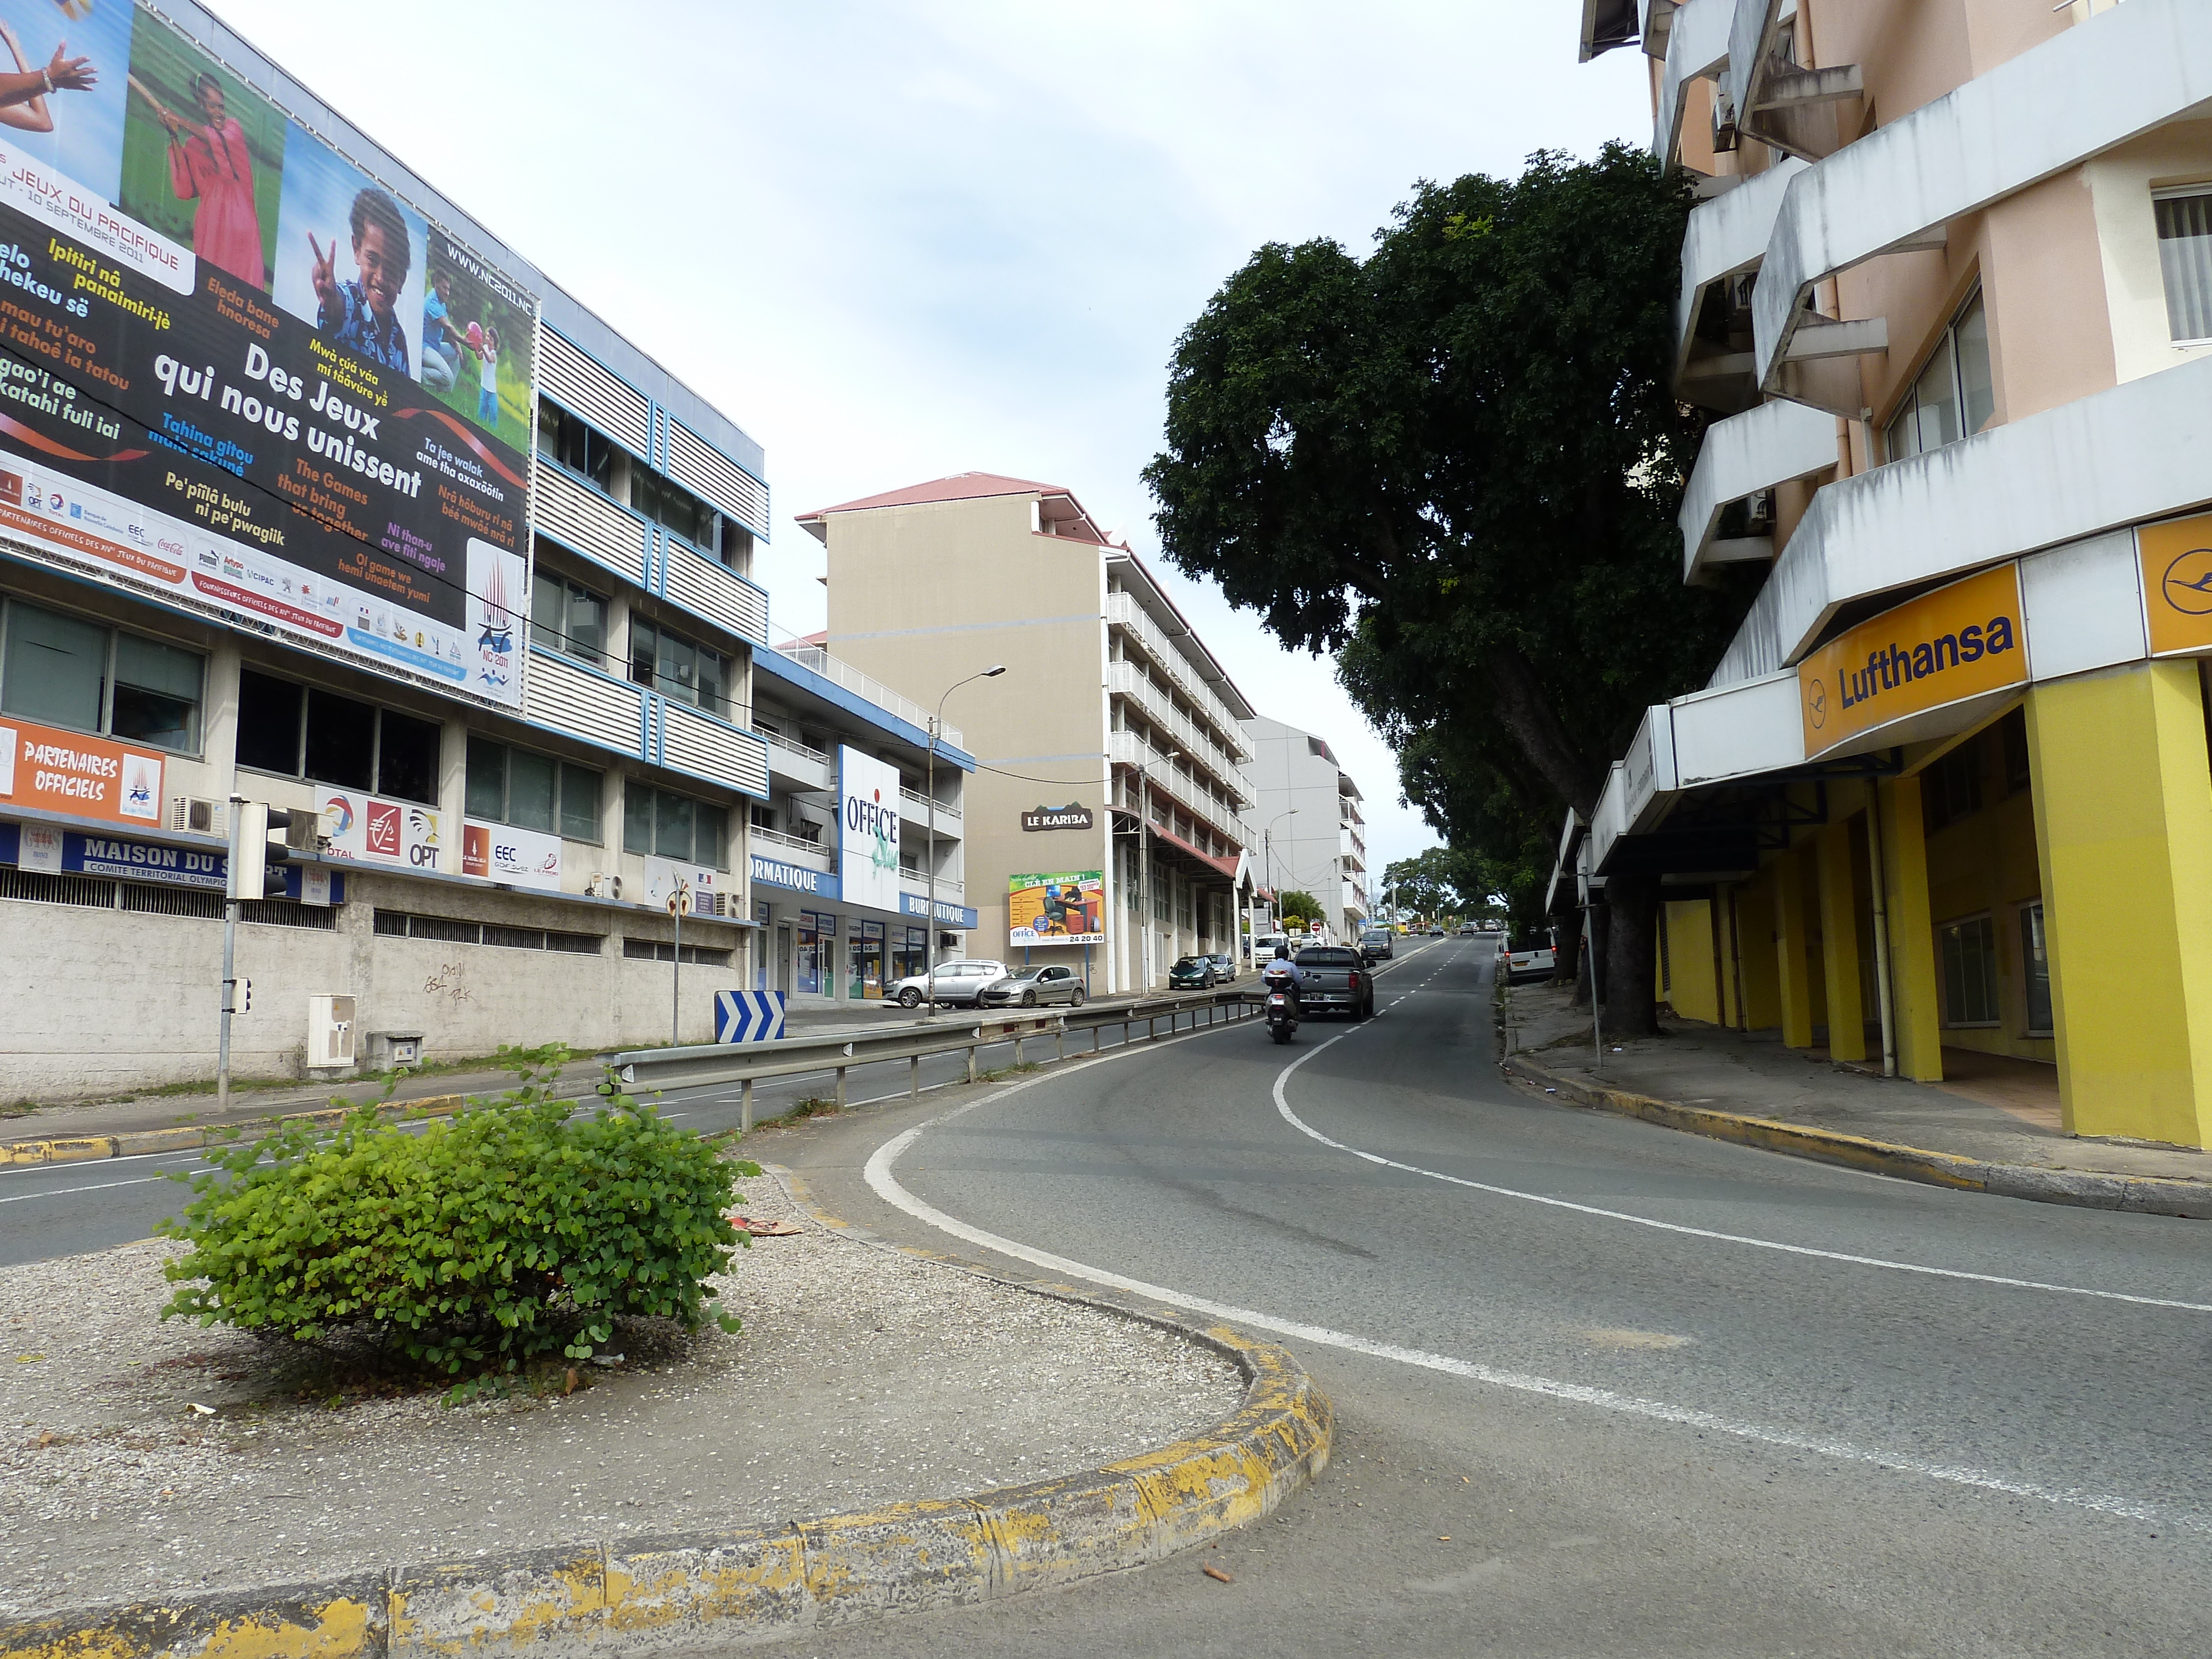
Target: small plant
{"x": 469, "y": 1246}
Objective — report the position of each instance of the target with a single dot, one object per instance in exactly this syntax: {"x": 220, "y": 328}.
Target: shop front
{"x": 825, "y": 946}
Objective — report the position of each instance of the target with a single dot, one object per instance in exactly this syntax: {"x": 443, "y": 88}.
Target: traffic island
{"x": 163, "y": 1496}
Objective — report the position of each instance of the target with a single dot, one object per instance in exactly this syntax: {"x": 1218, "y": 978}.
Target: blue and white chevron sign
{"x": 748, "y": 1016}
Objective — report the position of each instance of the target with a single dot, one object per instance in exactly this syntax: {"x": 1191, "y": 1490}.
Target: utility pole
{"x": 232, "y": 888}
{"x": 929, "y": 935}
{"x": 678, "y": 901}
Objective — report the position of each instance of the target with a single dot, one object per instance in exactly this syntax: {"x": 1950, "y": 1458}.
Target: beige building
{"x": 1947, "y": 294}
{"x": 1110, "y": 698}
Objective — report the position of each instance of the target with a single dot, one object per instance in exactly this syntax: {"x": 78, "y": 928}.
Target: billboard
{"x": 868, "y": 829}
{"x": 1063, "y": 909}
{"x": 239, "y": 373}
{"x": 81, "y": 777}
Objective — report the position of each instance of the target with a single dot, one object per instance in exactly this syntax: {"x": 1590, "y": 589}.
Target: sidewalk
{"x": 1989, "y": 1111}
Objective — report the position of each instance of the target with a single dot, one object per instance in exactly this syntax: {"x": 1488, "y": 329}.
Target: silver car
{"x": 958, "y": 983}
{"x": 1030, "y": 987}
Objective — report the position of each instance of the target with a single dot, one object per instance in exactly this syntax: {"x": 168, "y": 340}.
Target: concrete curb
{"x": 690, "y": 1592}
{"x": 76, "y": 1149}
{"x": 2085, "y": 1188}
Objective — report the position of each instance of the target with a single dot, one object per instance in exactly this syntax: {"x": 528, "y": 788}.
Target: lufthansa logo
{"x": 2187, "y": 583}
{"x": 1816, "y": 701}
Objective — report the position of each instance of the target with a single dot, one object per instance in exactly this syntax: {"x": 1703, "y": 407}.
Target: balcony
{"x": 870, "y": 690}
{"x": 1727, "y": 237}
{"x": 1124, "y": 679}
{"x": 1696, "y": 47}
{"x": 707, "y": 589}
{"x": 913, "y": 808}
{"x": 566, "y": 696}
{"x": 1743, "y": 454}
{"x": 1127, "y": 749}
{"x": 1125, "y": 613}
{"x": 811, "y": 854}
{"x": 686, "y": 741}
{"x": 580, "y": 518}
{"x": 793, "y": 762}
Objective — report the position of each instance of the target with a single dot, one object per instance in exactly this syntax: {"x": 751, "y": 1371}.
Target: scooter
{"x": 1282, "y": 1015}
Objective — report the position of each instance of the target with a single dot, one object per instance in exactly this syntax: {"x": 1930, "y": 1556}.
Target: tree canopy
{"x": 1457, "y": 462}
{"x": 1297, "y": 906}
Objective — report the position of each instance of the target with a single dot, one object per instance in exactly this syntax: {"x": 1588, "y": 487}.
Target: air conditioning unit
{"x": 603, "y": 886}
{"x": 329, "y": 1033}
{"x": 197, "y": 815}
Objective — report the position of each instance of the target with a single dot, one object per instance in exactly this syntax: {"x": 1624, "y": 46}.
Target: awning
{"x": 1226, "y": 867}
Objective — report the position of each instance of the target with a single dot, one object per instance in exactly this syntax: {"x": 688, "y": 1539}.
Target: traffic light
{"x": 267, "y": 836}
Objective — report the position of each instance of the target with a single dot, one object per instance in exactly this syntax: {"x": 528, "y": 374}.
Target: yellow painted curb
{"x": 137, "y": 1142}
{"x": 698, "y": 1590}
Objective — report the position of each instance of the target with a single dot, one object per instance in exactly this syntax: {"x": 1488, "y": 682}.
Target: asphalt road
{"x": 1602, "y": 1388}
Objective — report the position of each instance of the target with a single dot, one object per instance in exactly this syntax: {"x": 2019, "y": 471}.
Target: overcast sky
{"x": 900, "y": 240}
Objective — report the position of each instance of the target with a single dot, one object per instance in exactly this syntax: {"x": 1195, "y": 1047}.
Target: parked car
{"x": 1193, "y": 974}
{"x": 1224, "y": 968}
{"x": 1336, "y": 982}
{"x": 958, "y": 983}
{"x": 1378, "y": 944}
{"x": 1516, "y": 965}
{"x": 1031, "y": 987}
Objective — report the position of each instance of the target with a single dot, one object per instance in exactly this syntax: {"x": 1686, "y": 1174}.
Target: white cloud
{"x": 902, "y": 240}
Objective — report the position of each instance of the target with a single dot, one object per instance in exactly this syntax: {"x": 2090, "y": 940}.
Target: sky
{"x": 896, "y": 241}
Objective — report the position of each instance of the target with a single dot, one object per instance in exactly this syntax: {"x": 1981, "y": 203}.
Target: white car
{"x": 958, "y": 983}
{"x": 1513, "y": 966}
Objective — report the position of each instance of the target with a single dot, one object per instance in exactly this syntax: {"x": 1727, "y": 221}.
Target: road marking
{"x": 98, "y": 1187}
{"x": 1283, "y": 1106}
{"x": 886, "y": 1186}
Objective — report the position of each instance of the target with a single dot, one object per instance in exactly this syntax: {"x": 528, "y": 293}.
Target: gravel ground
{"x": 860, "y": 1377}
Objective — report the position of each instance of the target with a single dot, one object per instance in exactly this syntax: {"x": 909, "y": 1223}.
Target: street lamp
{"x": 1267, "y": 857}
{"x": 929, "y": 935}
{"x": 1144, "y": 858}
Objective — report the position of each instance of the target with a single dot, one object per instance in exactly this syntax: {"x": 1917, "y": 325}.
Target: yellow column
{"x": 1914, "y": 1003}
{"x": 1755, "y": 924}
{"x": 1793, "y": 970}
{"x": 1839, "y": 943}
{"x": 2123, "y": 831}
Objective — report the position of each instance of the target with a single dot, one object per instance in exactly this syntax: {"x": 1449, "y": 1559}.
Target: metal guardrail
{"x": 746, "y": 1064}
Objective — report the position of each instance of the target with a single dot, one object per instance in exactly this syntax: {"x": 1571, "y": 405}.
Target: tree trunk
{"x": 1566, "y": 957}
{"x": 1631, "y": 1005}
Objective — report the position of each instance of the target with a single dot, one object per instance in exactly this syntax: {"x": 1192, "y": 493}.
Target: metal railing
{"x": 1130, "y": 681}
{"x": 839, "y": 1052}
{"x": 1123, "y": 612}
{"x": 874, "y": 690}
{"x": 947, "y": 812}
{"x": 1130, "y": 750}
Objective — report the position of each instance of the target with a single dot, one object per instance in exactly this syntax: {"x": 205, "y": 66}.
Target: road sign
{"x": 748, "y": 1016}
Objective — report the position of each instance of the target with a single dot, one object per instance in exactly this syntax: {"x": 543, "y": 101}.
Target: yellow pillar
{"x": 1839, "y": 943}
{"x": 1793, "y": 970}
{"x": 1915, "y": 1007}
{"x": 2123, "y": 831}
{"x": 1754, "y": 937}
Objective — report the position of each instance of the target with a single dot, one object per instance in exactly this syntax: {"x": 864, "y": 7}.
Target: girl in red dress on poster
{"x": 212, "y": 162}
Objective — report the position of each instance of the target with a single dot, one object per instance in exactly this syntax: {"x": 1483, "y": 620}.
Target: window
{"x": 673, "y": 508}
{"x": 1970, "y": 972}
{"x": 1951, "y": 789}
{"x": 2035, "y": 968}
{"x": 568, "y": 617}
{"x": 2185, "y": 256}
{"x": 62, "y": 670}
{"x": 533, "y": 791}
{"x": 576, "y": 445}
{"x": 1954, "y": 396}
{"x": 664, "y": 824}
{"x": 302, "y": 732}
{"x": 679, "y": 670}
{"x": 651, "y": 950}
{"x": 452, "y": 930}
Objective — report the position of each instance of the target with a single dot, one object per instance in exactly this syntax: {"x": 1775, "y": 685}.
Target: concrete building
{"x": 1313, "y": 838}
{"x": 509, "y": 795}
{"x": 1949, "y": 297}
{"x": 1111, "y": 713}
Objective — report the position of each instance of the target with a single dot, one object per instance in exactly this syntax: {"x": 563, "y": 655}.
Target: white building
{"x": 1313, "y": 838}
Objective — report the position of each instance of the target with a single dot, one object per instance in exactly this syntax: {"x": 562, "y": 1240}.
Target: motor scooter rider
{"x": 1282, "y": 974}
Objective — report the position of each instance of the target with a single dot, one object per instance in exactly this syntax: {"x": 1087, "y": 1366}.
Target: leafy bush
{"x": 521, "y": 1228}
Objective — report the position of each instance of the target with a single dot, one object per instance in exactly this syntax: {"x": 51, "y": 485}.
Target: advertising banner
{"x": 1942, "y": 647}
{"x": 2177, "y": 576}
{"x": 500, "y": 852}
{"x": 236, "y": 371}
{"x": 51, "y": 850}
{"x": 360, "y": 826}
{"x": 81, "y": 777}
{"x": 868, "y": 829}
{"x": 1062, "y": 910}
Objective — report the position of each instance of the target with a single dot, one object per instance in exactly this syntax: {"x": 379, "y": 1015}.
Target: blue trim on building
{"x": 782, "y": 667}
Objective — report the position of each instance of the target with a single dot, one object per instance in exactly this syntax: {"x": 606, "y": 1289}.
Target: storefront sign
{"x": 2176, "y": 577}
{"x": 362, "y": 827}
{"x": 867, "y": 829}
{"x": 1073, "y": 816}
{"x": 1061, "y": 909}
{"x": 794, "y": 877}
{"x": 144, "y": 860}
{"x": 951, "y": 914}
{"x": 1957, "y": 642}
{"x": 500, "y": 852}
{"x": 78, "y": 776}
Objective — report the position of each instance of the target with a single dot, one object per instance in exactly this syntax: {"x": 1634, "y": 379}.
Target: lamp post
{"x": 1267, "y": 849}
{"x": 1143, "y": 860}
{"x": 929, "y": 934}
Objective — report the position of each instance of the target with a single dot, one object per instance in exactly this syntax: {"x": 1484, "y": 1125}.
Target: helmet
{"x": 1282, "y": 953}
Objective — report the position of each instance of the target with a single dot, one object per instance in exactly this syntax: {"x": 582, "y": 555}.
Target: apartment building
{"x": 1313, "y": 838}
{"x": 463, "y": 575}
{"x": 1948, "y": 298}
{"x": 835, "y": 925}
{"x": 1104, "y": 824}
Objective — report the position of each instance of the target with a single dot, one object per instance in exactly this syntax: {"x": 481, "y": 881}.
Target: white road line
{"x": 1283, "y": 1106}
{"x": 98, "y": 1187}
{"x": 887, "y": 1187}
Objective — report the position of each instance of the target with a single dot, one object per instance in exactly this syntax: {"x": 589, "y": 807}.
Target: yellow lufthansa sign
{"x": 1957, "y": 642}
{"x": 2177, "y": 573}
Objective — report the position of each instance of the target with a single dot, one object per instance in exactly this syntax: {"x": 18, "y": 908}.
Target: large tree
{"x": 1463, "y": 454}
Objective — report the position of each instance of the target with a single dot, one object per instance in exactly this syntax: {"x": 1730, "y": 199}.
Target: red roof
{"x": 960, "y": 487}
{"x": 1226, "y": 866}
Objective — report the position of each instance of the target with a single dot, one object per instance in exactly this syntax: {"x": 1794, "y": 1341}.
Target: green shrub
{"x": 521, "y": 1228}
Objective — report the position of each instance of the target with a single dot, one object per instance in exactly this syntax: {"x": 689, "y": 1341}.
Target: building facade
{"x": 484, "y": 607}
{"x": 1313, "y": 838}
{"x": 1948, "y": 298}
{"x": 1111, "y": 714}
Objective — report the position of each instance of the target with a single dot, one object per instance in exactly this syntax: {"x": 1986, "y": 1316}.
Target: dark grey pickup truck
{"x": 1337, "y": 981}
